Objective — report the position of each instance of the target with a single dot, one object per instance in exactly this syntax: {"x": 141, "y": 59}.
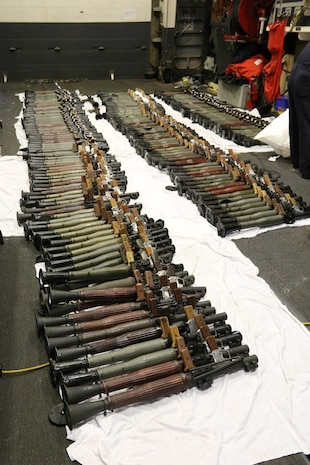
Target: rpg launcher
{"x": 185, "y": 375}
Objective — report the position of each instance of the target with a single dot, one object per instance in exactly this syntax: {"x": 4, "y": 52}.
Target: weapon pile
{"x": 120, "y": 320}
{"x": 211, "y": 113}
{"x": 228, "y": 191}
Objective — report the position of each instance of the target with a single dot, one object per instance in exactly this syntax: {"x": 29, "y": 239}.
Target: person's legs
{"x": 299, "y": 85}
{"x": 293, "y": 121}
{"x": 303, "y": 113}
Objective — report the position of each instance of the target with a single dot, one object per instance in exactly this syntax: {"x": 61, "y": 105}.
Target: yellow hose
{"x": 24, "y": 370}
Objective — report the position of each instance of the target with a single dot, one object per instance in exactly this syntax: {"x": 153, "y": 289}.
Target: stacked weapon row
{"x": 228, "y": 191}
{"x": 120, "y": 321}
{"x": 207, "y": 110}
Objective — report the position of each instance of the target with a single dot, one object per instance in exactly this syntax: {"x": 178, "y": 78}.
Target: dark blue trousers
{"x": 299, "y": 112}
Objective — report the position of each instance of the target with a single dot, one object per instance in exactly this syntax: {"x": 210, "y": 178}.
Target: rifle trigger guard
{"x": 57, "y": 415}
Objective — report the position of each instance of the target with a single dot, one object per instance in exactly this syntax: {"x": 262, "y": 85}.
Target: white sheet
{"x": 277, "y": 135}
{"x": 13, "y": 179}
{"x": 243, "y": 418}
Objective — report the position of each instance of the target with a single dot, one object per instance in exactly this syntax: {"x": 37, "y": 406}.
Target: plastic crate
{"x": 232, "y": 94}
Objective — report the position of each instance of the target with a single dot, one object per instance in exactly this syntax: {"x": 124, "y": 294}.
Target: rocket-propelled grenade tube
{"x": 91, "y": 336}
{"x": 93, "y": 325}
{"x": 75, "y": 394}
{"x": 91, "y": 276}
{"x": 89, "y": 315}
{"x": 113, "y": 295}
{"x": 174, "y": 384}
{"x": 103, "y": 345}
{"x": 112, "y": 356}
{"x": 201, "y": 378}
{"x": 116, "y": 369}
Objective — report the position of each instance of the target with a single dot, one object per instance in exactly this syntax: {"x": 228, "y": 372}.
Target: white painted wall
{"x": 168, "y": 13}
{"x": 75, "y": 11}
